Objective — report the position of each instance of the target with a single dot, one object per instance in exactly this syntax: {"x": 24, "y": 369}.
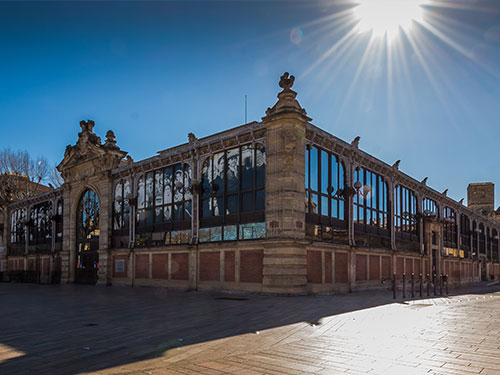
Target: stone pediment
{"x": 89, "y": 156}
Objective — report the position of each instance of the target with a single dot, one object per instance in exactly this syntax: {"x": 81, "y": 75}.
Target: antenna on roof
{"x": 245, "y": 108}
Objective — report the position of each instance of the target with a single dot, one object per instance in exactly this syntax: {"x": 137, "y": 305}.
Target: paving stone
{"x": 129, "y": 331}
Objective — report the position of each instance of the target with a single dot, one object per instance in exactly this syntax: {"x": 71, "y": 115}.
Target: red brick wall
{"x": 229, "y": 258}
{"x": 374, "y": 267}
{"x": 160, "y": 266}
{"x": 142, "y": 266}
{"x": 409, "y": 266}
{"x": 314, "y": 266}
{"x": 399, "y": 267}
{"x": 251, "y": 266}
{"x": 120, "y": 274}
{"x": 328, "y": 267}
{"x": 361, "y": 267}
{"x": 180, "y": 266}
{"x": 416, "y": 267}
{"x": 45, "y": 266}
{"x": 210, "y": 266}
{"x": 341, "y": 267}
{"x": 386, "y": 268}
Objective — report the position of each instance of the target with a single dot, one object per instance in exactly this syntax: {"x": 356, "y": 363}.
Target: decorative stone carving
{"x": 286, "y": 100}
{"x": 88, "y": 157}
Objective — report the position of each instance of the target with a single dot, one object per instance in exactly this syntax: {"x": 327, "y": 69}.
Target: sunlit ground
{"x": 438, "y": 336}
{"x": 70, "y": 330}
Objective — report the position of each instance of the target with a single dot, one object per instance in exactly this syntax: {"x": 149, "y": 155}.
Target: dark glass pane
{"x": 260, "y": 166}
{"x": 260, "y": 200}
{"x": 140, "y": 193}
{"x": 307, "y": 168}
{"x": 218, "y": 177}
{"x": 167, "y": 213}
{"x": 206, "y": 175}
{"x": 187, "y": 210}
{"x": 325, "y": 182}
{"x": 314, "y": 204}
{"x": 158, "y": 214}
{"x": 158, "y": 188}
{"x": 232, "y": 171}
{"x": 247, "y": 167}
{"x": 232, "y": 204}
{"x": 187, "y": 182}
{"x": 314, "y": 169}
{"x": 247, "y": 202}
{"x": 149, "y": 217}
{"x": 206, "y": 210}
{"x": 178, "y": 212}
{"x": 178, "y": 183}
{"x": 218, "y": 206}
{"x": 167, "y": 194}
{"x": 149, "y": 189}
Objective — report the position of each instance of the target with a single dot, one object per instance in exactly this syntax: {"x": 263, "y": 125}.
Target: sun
{"x": 385, "y": 18}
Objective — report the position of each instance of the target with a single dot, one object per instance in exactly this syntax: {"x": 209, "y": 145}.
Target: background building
{"x": 277, "y": 206}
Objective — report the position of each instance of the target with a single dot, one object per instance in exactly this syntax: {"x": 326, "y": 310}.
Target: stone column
{"x": 105, "y": 225}
{"x": 69, "y": 237}
{"x": 285, "y": 259}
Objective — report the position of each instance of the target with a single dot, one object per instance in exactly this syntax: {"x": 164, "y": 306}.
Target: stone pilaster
{"x": 285, "y": 260}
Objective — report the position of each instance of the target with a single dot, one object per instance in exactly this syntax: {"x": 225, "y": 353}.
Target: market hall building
{"x": 276, "y": 206}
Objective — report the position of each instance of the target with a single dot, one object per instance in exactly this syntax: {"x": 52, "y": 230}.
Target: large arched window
{"x": 475, "y": 230}
{"x": 405, "y": 216}
{"x": 164, "y": 206}
{"x": 494, "y": 239}
{"x": 482, "y": 239}
{"x": 465, "y": 234}
{"x": 87, "y": 227}
{"x": 450, "y": 228}
{"x": 232, "y": 199}
{"x": 40, "y": 233}
{"x": 324, "y": 185}
{"x": 430, "y": 207}
{"x": 87, "y": 238}
{"x": 17, "y": 223}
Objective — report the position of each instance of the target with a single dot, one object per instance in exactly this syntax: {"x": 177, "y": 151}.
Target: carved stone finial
{"x": 286, "y": 82}
{"x": 461, "y": 201}
{"x": 87, "y": 126}
{"x": 396, "y": 164}
{"x": 192, "y": 137}
{"x": 355, "y": 141}
{"x": 110, "y": 139}
{"x": 424, "y": 181}
{"x": 445, "y": 192}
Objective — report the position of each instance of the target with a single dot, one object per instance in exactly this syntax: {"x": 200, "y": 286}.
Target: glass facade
{"x": 232, "y": 197}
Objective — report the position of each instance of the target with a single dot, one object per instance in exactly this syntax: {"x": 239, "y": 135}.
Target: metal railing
{"x": 412, "y": 286}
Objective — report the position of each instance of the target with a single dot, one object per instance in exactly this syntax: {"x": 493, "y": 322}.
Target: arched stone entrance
{"x": 87, "y": 238}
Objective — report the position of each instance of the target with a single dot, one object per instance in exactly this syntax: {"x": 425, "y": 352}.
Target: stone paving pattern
{"x": 71, "y": 329}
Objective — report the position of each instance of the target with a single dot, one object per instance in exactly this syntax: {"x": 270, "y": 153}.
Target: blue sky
{"x": 154, "y": 71}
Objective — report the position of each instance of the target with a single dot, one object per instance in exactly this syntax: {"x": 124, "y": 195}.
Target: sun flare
{"x": 387, "y": 17}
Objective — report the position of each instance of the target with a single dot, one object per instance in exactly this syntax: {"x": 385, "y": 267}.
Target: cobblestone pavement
{"x": 70, "y": 329}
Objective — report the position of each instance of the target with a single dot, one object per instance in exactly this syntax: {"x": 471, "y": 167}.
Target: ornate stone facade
{"x": 277, "y": 206}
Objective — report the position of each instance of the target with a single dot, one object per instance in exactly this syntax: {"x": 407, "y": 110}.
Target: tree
{"x": 21, "y": 175}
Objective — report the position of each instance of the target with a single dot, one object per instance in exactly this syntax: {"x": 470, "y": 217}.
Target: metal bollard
{"x": 441, "y": 284}
{"x": 434, "y": 281}
{"x": 420, "y": 287}
{"x": 412, "y": 285}
{"x": 446, "y": 284}
{"x": 404, "y": 285}
{"x": 428, "y": 285}
{"x": 394, "y": 286}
